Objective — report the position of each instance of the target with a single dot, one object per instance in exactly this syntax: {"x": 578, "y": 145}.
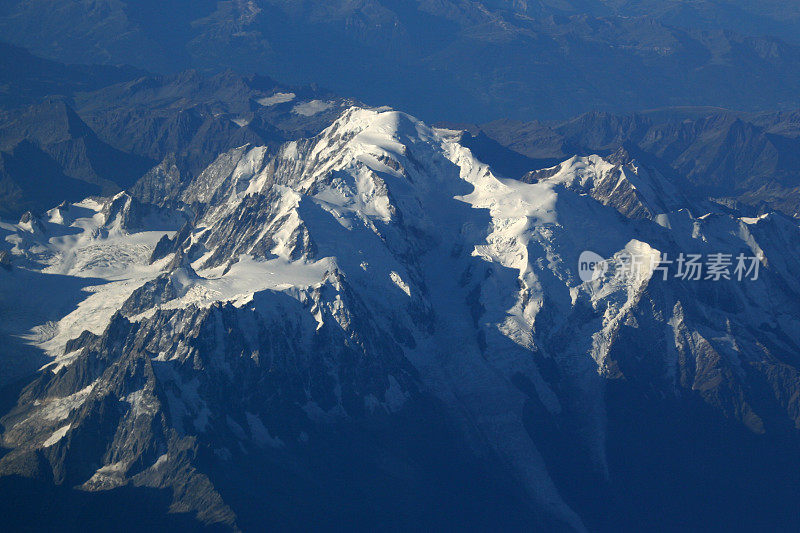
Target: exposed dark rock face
{"x": 31, "y": 180}
{"x": 48, "y": 155}
{"x": 5, "y": 259}
{"x": 58, "y": 130}
{"x": 150, "y": 419}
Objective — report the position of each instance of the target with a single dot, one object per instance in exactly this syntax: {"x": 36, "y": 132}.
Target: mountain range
{"x": 748, "y": 158}
{"x": 351, "y": 322}
{"x": 462, "y": 60}
{"x": 479, "y": 265}
{"x": 177, "y": 124}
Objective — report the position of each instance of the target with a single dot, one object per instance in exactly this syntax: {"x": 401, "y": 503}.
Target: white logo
{"x": 591, "y": 266}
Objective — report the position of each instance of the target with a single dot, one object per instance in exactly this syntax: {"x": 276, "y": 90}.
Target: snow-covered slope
{"x": 376, "y": 272}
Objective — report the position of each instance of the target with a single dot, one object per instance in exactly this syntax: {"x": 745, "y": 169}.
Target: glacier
{"x": 375, "y": 272}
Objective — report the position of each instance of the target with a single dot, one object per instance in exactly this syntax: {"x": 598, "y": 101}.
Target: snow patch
{"x": 56, "y": 436}
{"x": 400, "y": 283}
{"x": 309, "y": 109}
{"x": 275, "y": 99}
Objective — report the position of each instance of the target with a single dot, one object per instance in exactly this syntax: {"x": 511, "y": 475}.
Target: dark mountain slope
{"x": 25, "y": 78}
{"x": 31, "y": 180}
{"x": 57, "y": 130}
{"x": 447, "y": 60}
{"x": 196, "y": 116}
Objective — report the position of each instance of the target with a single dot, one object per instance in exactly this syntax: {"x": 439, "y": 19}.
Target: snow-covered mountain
{"x": 373, "y": 325}
{"x": 746, "y": 158}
